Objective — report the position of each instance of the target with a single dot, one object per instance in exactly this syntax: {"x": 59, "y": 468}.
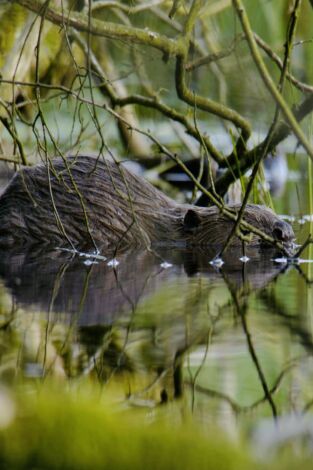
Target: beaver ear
{"x": 191, "y": 220}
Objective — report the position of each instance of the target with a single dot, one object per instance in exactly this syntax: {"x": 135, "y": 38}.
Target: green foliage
{"x": 57, "y": 430}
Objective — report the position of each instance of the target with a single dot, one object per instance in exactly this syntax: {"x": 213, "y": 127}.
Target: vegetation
{"x": 160, "y": 82}
{"x": 56, "y": 430}
{"x": 75, "y": 54}
{"x": 80, "y": 432}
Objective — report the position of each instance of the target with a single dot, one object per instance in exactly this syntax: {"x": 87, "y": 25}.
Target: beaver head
{"x": 204, "y": 226}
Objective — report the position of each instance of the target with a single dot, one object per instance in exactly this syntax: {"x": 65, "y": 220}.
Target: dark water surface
{"x": 231, "y": 343}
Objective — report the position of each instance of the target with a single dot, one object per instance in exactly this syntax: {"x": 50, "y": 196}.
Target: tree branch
{"x": 106, "y": 29}
{"x": 282, "y": 131}
{"x": 206, "y": 104}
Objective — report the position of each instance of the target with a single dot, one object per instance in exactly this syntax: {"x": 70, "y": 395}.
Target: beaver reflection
{"x": 96, "y": 294}
{"x": 135, "y": 322}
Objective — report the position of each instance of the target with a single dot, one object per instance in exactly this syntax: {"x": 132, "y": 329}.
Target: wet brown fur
{"x": 122, "y": 210}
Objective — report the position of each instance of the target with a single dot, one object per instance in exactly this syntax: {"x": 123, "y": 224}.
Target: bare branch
{"x": 290, "y": 118}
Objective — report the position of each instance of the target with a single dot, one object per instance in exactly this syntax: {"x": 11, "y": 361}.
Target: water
{"x": 231, "y": 343}
{"x": 189, "y": 328}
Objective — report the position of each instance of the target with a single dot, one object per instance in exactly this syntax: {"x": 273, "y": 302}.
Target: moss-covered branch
{"x": 101, "y": 28}
{"x": 173, "y": 114}
{"x": 191, "y": 19}
{"x": 206, "y": 104}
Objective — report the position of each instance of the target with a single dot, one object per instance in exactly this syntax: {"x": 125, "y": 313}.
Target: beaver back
{"x": 83, "y": 201}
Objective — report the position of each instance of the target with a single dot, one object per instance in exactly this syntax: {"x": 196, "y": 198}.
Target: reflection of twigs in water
{"x": 214, "y": 394}
{"x": 56, "y": 287}
{"x": 92, "y": 364}
{"x": 303, "y": 275}
{"x": 76, "y": 316}
{"x": 234, "y": 405}
{"x": 196, "y": 375}
{"x": 307, "y": 242}
{"x": 176, "y": 367}
{"x": 242, "y": 312}
{"x": 274, "y": 307}
{"x": 148, "y": 388}
{"x": 133, "y": 306}
{"x": 178, "y": 360}
{"x": 207, "y": 342}
{"x": 95, "y": 361}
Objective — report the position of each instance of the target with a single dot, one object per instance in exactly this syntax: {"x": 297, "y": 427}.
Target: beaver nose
{"x": 283, "y": 232}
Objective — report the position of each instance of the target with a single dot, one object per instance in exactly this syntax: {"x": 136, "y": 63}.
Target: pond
{"x": 230, "y": 343}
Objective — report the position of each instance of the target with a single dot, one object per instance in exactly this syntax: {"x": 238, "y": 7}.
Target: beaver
{"x": 82, "y": 201}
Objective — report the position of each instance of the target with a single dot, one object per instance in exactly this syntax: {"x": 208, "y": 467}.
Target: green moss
{"x": 57, "y": 430}
{"x": 12, "y": 18}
